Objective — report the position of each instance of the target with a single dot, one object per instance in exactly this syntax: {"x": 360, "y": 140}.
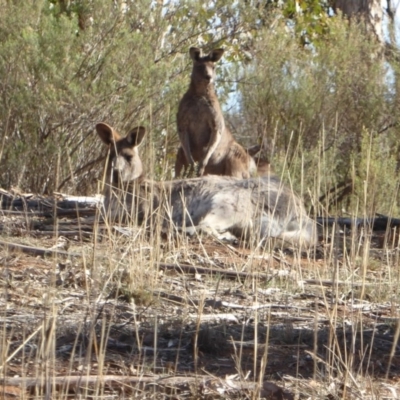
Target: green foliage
{"x": 66, "y": 65}
{"x": 36, "y": 55}
{"x": 61, "y": 83}
{"x": 376, "y": 177}
{"x": 127, "y": 63}
{"x": 311, "y": 105}
{"x": 310, "y": 18}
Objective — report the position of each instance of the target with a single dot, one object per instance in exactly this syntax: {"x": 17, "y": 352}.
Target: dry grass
{"x": 136, "y": 314}
{"x": 130, "y": 317}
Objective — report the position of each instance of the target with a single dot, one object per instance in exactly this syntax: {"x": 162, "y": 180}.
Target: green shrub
{"x": 64, "y": 66}
{"x": 311, "y": 106}
{"x": 58, "y": 81}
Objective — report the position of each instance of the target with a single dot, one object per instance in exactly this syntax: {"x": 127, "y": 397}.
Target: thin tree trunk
{"x": 370, "y": 10}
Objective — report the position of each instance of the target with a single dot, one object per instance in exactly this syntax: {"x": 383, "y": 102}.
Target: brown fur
{"x": 201, "y": 126}
{"x": 227, "y": 207}
{"x": 237, "y": 156}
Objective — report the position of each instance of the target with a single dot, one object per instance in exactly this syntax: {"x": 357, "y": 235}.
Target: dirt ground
{"x": 197, "y": 318}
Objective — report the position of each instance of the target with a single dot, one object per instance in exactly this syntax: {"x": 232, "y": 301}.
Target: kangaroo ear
{"x": 216, "y": 55}
{"x": 195, "y": 53}
{"x": 253, "y": 150}
{"x": 107, "y": 133}
{"x": 136, "y": 135}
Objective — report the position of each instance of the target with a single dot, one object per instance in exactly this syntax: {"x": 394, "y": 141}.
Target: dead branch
{"x": 37, "y": 251}
{"x": 204, "y": 270}
{"x": 204, "y": 383}
{"x": 380, "y": 223}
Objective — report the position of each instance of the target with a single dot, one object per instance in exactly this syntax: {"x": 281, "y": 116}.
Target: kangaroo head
{"x": 124, "y": 164}
{"x": 204, "y": 67}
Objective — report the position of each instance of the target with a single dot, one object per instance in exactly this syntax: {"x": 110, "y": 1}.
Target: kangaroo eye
{"x": 128, "y": 158}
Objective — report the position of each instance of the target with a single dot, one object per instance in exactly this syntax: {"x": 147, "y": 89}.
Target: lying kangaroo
{"x": 254, "y": 208}
{"x": 201, "y": 126}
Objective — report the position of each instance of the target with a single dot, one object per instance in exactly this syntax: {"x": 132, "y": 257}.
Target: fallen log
{"x": 380, "y": 223}
{"x": 21, "y": 203}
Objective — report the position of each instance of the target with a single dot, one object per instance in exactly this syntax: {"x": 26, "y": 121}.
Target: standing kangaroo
{"x": 254, "y": 208}
{"x": 201, "y": 126}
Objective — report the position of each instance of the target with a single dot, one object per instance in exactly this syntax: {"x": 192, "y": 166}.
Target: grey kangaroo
{"x": 201, "y": 126}
{"x": 227, "y": 207}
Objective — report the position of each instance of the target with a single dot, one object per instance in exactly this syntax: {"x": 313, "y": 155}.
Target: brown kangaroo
{"x": 201, "y": 126}
{"x": 238, "y": 158}
{"x": 227, "y": 207}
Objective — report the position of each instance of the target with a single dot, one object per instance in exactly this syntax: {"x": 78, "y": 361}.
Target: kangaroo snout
{"x": 208, "y": 78}
{"x": 209, "y": 74}
{"x": 117, "y": 166}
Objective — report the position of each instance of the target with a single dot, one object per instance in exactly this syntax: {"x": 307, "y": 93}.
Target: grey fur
{"x": 254, "y": 208}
